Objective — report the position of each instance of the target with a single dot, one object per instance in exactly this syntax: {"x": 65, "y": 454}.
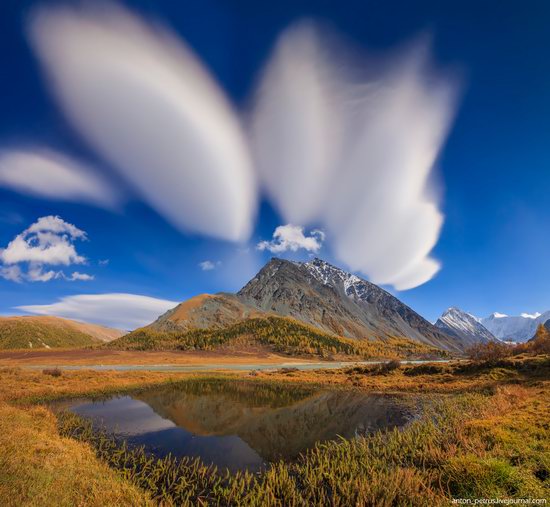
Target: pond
{"x": 241, "y": 425}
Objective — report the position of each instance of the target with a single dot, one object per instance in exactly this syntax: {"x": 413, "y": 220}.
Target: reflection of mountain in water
{"x": 274, "y": 428}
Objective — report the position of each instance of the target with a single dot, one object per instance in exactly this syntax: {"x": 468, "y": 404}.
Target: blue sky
{"x": 492, "y": 171}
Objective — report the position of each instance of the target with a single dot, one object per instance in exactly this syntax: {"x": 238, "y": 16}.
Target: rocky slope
{"x": 317, "y": 294}
{"x": 205, "y": 311}
{"x": 327, "y": 297}
{"x": 51, "y": 332}
{"x": 464, "y": 326}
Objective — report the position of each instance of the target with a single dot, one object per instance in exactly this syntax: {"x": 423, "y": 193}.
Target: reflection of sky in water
{"x": 140, "y": 425}
{"x": 240, "y": 427}
{"x": 123, "y": 415}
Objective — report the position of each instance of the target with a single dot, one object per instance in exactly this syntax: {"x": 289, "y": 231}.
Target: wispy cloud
{"x": 355, "y": 152}
{"x": 50, "y": 241}
{"x": 209, "y": 265}
{"x": 141, "y": 98}
{"x": 49, "y": 175}
{"x": 121, "y": 311}
{"x": 344, "y": 142}
{"x": 83, "y": 277}
{"x": 292, "y": 237}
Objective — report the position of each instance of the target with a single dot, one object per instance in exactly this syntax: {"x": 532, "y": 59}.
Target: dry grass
{"x": 445, "y": 378}
{"x": 28, "y": 386}
{"x": 490, "y": 439}
{"x": 452, "y": 451}
{"x": 40, "y": 468}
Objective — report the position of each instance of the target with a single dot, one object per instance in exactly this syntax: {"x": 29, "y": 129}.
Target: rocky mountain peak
{"x": 323, "y": 295}
{"x": 464, "y": 325}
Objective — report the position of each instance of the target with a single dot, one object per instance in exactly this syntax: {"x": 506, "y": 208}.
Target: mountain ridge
{"x": 317, "y": 294}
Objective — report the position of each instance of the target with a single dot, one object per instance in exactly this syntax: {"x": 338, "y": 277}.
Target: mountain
{"x": 315, "y": 293}
{"x": 464, "y": 326}
{"x": 51, "y": 332}
{"x": 517, "y": 329}
{"x": 281, "y": 335}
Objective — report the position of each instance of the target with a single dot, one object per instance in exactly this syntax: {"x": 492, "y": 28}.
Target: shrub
{"x": 490, "y": 352}
{"x": 425, "y": 369}
{"x": 390, "y": 366}
{"x": 54, "y": 372}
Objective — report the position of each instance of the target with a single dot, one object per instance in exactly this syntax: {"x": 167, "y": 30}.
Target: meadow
{"x": 486, "y": 434}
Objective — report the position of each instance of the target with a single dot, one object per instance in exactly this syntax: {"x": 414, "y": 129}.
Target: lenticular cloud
{"x": 339, "y": 143}
{"x": 354, "y": 153}
{"x": 141, "y": 98}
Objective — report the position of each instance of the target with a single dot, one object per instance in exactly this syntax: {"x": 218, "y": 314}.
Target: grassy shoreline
{"x": 491, "y": 440}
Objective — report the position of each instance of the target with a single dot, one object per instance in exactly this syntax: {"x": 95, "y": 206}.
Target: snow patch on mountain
{"x": 332, "y": 276}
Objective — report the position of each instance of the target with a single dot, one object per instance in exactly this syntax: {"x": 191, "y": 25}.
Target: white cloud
{"x": 141, "y": 98}
{"x": 292, "y": 237}
{"x": 46, "y": 174}
{"x": 37, "y": 274}
{"x": 345, "y": 143}
{"x": 122, "y": 311}
{"x": 355, "y": 152}
{"x": 12, "y": 273}
{"x": 535, "y": 315}
{"x": 47, "y": 242}
{"x": 83, "y": 277}
{"x": 209, "y": 265}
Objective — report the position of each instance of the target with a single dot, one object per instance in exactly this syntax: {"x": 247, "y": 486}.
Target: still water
{"x": 241, "y": 425}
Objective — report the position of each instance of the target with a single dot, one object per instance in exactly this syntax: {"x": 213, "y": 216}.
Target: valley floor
{"x": 98, "y": 356}
{"x": 489, "y": 438}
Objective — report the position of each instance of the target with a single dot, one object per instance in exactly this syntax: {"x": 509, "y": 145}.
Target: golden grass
{"x": 491, "y": 439}
{"x": 40, "y": 468}
{"x": 25, "y": 386}
{"x": 444, "y": 378}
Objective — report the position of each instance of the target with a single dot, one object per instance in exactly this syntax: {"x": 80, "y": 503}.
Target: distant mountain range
{"x": 51, "y": 332}
{"x": 315, "y": 293}
{"x": 517, "y": 329}
{"x": 497, "y": 326}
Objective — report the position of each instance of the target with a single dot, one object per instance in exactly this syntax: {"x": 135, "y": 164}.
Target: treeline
{"x": 282, "y": 335}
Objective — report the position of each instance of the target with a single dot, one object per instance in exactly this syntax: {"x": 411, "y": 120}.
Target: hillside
{"x": 277, "y": 334}
{"x": 316, "y": 294}
{"x": 205, "y": 311}
{"x": 51, "y": 332}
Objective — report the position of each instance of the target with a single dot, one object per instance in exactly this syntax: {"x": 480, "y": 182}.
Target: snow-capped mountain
{"x": 518, "y": 328}
{"x": 465, "y": 326}
{"x": 339, "y": 302}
